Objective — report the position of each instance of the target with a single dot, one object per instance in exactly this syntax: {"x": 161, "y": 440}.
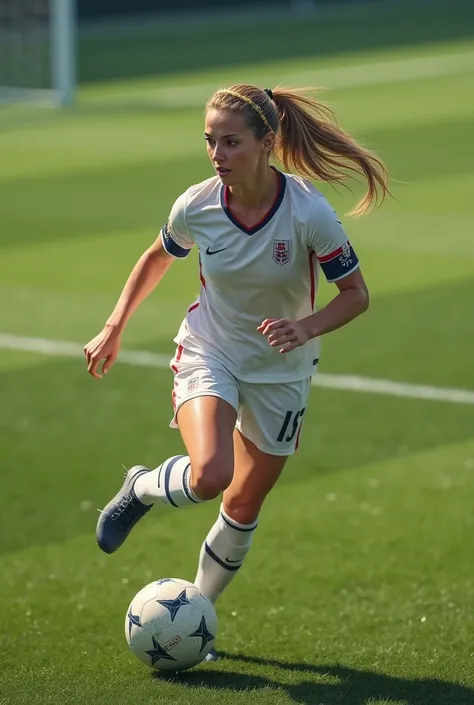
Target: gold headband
{"x": 253, "y": 105}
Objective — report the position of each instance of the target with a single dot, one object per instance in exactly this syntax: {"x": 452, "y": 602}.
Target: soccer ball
{"x": 170, "y": 625}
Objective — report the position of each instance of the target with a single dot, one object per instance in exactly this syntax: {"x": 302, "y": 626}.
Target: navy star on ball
{"x": 158, "y": 652}
{"x": 133, "y": 619}
{"x": 204, "y": 633}
{"x": 174, "y": 605}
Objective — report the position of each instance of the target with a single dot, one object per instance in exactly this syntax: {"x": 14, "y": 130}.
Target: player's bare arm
{"x": 144, "y": 277}
{"x": 351, "y": 301}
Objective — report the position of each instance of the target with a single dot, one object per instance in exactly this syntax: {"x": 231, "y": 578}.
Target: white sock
{"x": 222, "y": 554}
{"x": 169, "y": 483}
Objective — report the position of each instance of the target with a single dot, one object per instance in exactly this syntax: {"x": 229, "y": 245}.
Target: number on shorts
{"x": 291, "y": 416}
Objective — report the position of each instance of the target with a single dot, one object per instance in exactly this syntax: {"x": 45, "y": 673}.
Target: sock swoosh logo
{"x": 229, "y": 560}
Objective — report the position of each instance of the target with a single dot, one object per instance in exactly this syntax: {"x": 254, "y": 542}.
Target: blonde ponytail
{"x": 309, "y": 140}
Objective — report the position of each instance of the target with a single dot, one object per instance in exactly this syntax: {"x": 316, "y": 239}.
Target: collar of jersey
{"x": 268, "y": 215}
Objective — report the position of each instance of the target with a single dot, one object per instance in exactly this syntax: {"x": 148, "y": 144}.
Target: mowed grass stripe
{"x": 353, "y": 587}
{"x": 340, "y": 77}
{"x": 144, "y": 358}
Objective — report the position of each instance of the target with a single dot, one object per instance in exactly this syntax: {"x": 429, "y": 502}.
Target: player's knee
{"x": 210, "y": 478}
{"x": 244, "y": 510}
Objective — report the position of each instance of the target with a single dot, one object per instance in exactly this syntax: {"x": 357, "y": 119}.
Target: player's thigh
{"x": 255, "y": 473}
{"x": 271, "y": 415}
{"x": 206, "y": 403}
{"x": 206, "y": 424}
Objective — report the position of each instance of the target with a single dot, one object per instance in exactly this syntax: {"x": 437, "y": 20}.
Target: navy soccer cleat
{"x": 121, "y": 514}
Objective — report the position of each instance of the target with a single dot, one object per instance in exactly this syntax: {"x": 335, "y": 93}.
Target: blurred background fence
{"x": 221, "y": 33}
{"x": 108, "y": 8}
{"x": 56, "y": 44}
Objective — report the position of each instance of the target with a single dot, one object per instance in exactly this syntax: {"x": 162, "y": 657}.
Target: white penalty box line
{"x": 144, "y": 358}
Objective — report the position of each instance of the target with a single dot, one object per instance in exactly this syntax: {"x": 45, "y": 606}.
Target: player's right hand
{"x": 104, "y": 346}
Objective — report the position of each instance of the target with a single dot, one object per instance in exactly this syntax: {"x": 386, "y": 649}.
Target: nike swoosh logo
{"x": 214, "y": 252}
{"x": 228, "y": 559}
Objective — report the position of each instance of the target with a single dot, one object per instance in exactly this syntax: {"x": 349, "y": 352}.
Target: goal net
{"x": 37, "y": 52}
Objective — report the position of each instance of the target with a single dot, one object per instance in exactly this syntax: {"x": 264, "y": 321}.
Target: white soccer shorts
{"x": 268, "y": 414}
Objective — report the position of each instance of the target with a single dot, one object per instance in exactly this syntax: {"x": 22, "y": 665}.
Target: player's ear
{"x": 268, "y": 142}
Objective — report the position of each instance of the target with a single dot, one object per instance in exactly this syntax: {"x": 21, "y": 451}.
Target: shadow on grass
{"x": 349, "y": 686}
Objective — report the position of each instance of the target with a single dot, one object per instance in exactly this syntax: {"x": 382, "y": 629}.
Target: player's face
{"x": 232, "y": 146}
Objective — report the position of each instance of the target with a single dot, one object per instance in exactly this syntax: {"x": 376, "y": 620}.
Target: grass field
{"x": 359, "y": 587}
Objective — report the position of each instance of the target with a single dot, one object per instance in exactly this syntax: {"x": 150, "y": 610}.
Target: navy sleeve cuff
{"x": 172, "y": 247}
{"x": 339, "y": 263}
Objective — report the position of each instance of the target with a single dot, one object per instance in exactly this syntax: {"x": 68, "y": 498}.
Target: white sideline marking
{"x": 144, "y": 358}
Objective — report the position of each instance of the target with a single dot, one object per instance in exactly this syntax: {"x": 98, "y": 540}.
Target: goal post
{"x": 37, "y": 51}
{"x": 63, "y": 59}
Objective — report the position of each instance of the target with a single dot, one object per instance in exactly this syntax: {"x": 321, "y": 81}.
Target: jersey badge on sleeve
{"x": 339, "y": 263}
{"x": 166, "y": 235}
{"x": 281, "y": 251}
{"x": 170, "y": 245}
{"x": 346, "y": 252}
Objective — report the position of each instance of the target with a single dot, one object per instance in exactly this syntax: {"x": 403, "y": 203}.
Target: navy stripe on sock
{"x": 239, "y": 528}
{"x": 169, "y": 468}
{"x": 159, "y": 475}
{"x": 186, "y": 485}
{"x": 211, "y": 553}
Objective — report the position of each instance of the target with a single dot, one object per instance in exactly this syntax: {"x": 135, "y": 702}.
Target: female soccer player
{"x": 249, "y": 345}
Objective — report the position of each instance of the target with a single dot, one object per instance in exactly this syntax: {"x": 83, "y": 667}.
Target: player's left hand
{"x": 284, "y": 333}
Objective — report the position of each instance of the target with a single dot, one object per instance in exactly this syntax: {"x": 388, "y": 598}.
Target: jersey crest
{"x": 281, "y": 251}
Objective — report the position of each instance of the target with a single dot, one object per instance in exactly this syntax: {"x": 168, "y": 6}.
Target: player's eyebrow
{"x": 224, "y": 137}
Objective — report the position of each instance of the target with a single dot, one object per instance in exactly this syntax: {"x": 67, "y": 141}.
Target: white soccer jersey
{"x": 250, "y": 274}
